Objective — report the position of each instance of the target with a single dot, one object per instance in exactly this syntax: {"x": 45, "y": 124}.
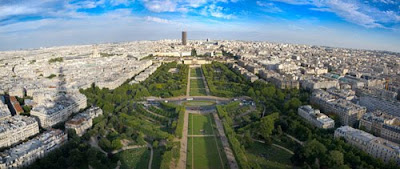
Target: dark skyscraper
{"x": 184, "y": 38}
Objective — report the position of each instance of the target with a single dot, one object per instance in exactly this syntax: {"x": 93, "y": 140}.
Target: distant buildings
{"x": 184, "y": 38}
{"x": 382, "y": 124}
{"x": 26, "y": 153}
{"x": 17, "y": 128}
{"x": 347, "y": 111}
{"x": 315, "y": 117}
{"x": 374, "y": 146}
{"x": 83, "y": 121}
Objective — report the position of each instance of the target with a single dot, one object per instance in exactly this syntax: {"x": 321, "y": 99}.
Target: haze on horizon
{"x": 373, "y": 24}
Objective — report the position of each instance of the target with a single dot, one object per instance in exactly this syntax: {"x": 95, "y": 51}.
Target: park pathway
{"x": 127, "y": 148}
{"x": 276, "y": 145}
{"x": 151, "y": 155}
{"x": 183, "y": 140}
{"x": 228, "y": 151}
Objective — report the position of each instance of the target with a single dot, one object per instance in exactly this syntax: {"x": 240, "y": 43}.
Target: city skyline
{"x": 337, "y": 23}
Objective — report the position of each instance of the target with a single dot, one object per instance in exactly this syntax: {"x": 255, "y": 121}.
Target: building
{"x": 315, "y": 117}
{"x": 184, "y": 38}
{"x": 382, "y": 124}
{"x": 58, "y": 108}
{"x": 319, "y": 83}
{"x": 26, "y": 153}
{"x": 16, "y": 107}
{"x": 374, "y": 146}
{"x": 83, "y": 121}
{"x": 4, "y": 111}
{"x": 17, "y": 128}
{"x": 348, "y": 112}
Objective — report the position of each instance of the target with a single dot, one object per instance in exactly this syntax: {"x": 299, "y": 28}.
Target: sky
{"x": 364, "y": 24}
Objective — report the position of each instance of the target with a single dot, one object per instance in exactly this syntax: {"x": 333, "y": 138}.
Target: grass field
{"x": 135, "y": 158}
{"x": 196, "y": 83}
{"x": 198, "y": 103}
{"x": 202, "y": 124}
{"x": 204, "y": 152}
{"x": 198, "y": 92}
{"x": 269, "y": 156}
{"x": 195, "y": 72}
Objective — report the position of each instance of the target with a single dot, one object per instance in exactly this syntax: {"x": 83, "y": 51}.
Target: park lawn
{"x": 195, "y": 72}
{"x": 134, "y": 158}
{"x": 157, "y": 156}
{"x": 198, "y": 103}
{"x": 198, "y": 92}
{"x": 269, "y": 156}
{"x": 200, "y": 124}
{"x": 204, "y": 153}
{"x": 197, "y": 83}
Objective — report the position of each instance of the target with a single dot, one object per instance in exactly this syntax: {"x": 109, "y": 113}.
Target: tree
{"x": 312, "y": 150}
{"x": 335, "y": 158}
{"x": 116, "y": 144}
{"x": 155, "y": 144}
{"x": 247, "y": 140}
{"x": 194, "y": 52}
{"x": 267, "y": 125}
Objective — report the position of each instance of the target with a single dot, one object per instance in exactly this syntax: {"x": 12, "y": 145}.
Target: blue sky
{"x": 366, "y": 24}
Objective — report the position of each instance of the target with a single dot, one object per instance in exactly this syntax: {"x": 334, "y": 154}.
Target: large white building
{"x": 374, "y": 146}
{"x": 315, "y": 117}
{"x": 17, "y": 128}
{"x": 26, "y": 153}
{"x": 83, "y": 121}
{"x": 58, "y": 108}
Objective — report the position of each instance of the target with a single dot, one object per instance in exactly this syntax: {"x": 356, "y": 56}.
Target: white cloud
{"x": 269, "y": 7}
{"x": 216, "y": 11}
{"x": 353, "y": 11}
{"x": 158, "y": 20}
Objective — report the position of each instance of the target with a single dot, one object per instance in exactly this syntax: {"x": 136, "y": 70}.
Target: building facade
{"x": 26, "y": 153}
{"x": 83, "y": 121}
{"x": 374, "y": 146}
{"x": 348, "y": 112}
{"x": 17, "y": 128}
{"x": 315, "y": 117}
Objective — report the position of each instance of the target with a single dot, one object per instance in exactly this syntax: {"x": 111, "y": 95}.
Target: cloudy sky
{"x": 367, "y": 24}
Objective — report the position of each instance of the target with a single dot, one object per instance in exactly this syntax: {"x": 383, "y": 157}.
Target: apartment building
{"x": 17, "y": 128}
{"x": 58, "y": 109}
{"x": 315, "y": 117}
{"x": 348, "y": 112}
{"x": 83, "y": 121}
{"x": 382, "y": 124}
{"x": 374, "y": 146}
{"x": 26, "y": 153}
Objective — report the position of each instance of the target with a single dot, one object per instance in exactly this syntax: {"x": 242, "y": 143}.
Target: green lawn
{"x": 198, "y": 103}
{"x": 134, "y": 158}
{"x": 269, "y": 156}
{"x": 198, "y": 92}
{"x": 195, "y": 72}
{"x": 197, "y": 83}
{"x": 204, "y": 154}
{"x": 157, "y": 156}
{"x": 200, "y": 124}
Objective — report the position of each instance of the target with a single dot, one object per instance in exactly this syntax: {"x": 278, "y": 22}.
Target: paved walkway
{"x": 201, "y": 135}
{"x": 128, "y": 148}
{"x": 295, "y": 139}
{"x": 183, "y": 140}
{"x": 151, "y": 155}
{"x": 228, "y": 151}
{"x": 276, "y": 145}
